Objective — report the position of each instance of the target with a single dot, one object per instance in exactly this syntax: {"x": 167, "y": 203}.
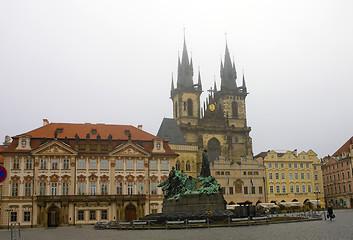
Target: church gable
{"x": 129, "y": 149}
{"x": 54, "y": 148}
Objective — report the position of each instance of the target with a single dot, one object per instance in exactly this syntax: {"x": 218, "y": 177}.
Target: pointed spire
{"x": 215, "y": 86}
{"x": 228, "y": 72}
{"x": 172, "y": 87}
{"x": 244, "y": 85}
{"x": 199, "y": 84}
{"x": 185, "y": 70}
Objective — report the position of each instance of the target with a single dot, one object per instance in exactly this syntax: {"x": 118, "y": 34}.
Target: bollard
{"x": 149, "y": 225}
{"x": 248, "y": 220}
{"x": 186, "y": 223}
{"x": 228, "y": 221}
{"x": 208, "y": 223}
{"x": 285, "y": 220}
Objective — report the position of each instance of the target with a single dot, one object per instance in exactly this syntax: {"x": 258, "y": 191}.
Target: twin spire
{"x": 186, "y": 72}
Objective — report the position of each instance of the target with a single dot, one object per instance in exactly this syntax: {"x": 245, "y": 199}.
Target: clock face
{"x": 23, "y": 142}
{"x": 212, "y": 107}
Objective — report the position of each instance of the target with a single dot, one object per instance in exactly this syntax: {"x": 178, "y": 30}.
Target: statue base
{"x": 195, "y": 202}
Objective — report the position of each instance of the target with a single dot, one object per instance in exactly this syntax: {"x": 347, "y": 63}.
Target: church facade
{"x": 219, "y": 125}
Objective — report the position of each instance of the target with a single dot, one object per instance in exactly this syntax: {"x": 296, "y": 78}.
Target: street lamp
{"x": 8, "y": 210}
{"x": 317, "y": 198}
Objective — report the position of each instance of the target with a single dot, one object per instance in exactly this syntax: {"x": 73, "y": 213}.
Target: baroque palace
{"x": 67, "y": 174}
{"x": 219, "y": 126}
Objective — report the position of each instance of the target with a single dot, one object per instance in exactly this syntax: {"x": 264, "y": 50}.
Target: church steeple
{"x": 185, "y": 70}
{"x": 228, "y": 72}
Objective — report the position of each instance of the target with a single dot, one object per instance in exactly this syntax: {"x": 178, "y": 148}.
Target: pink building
{"x": 337, "y": 176}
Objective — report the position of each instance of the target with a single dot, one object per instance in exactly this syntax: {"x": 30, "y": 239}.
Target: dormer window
{"x": 59, "y": 130}
{"x": 94, "y": 131}
{"x": 158, "y": 145}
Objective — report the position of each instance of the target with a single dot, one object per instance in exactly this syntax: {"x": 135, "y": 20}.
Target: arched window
{"x": 176, "y": 110}
{"x": 213, "y": 149}
{"x": 234, "y": 109}
{"x": 177, "y": 166}
{"x": 190, "y": 107}
{"x": 187, "y": 166}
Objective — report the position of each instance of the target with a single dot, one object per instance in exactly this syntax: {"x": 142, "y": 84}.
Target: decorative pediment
{"x": 43, "y": 178}
{"x": 81, "y": 178}
{"x": 129, "y": 149}
{"x": 54, "y": 148}
{"x": 28, "y": 179}
{"x": 54, "y": 178}
{"x": 130, "y": 178}
{"x": 154, "y": 178}
{"x": 15, "y": 179}
{"x": 119, "y": 178}
{"x": 65, "y": 178}
{"x": 140, "y": 178}
{"x": 104, "y": 178}
{"x": 92, "y": 178}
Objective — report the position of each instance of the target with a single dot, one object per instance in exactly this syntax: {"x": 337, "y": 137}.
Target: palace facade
{"x": 337, "y": 176}
{"x": 67, "y": 174}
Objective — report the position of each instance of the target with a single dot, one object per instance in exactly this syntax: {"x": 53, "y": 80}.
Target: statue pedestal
{"x": 195, "y": 202}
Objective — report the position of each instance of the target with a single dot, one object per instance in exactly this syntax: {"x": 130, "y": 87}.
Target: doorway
{"x": 130, "y": 213}
{"x": 53, "y": 216}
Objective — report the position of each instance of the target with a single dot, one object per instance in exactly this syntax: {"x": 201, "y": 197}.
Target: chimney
{"x": 45, "y": 122}
{"x": 139, "y": 127}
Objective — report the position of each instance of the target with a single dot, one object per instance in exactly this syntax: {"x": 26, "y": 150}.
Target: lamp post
{"x": 317, "y": 198}
{"x": 8, "y": 210}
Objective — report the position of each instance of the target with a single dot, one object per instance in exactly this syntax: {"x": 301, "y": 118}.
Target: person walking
{"x": 330, "y": 214}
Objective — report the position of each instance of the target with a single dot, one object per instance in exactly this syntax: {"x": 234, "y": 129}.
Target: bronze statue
{"x": 205, "y": 169}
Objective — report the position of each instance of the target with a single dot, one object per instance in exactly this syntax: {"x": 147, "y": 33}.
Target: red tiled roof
{"x": 344, "y": 148}
{"x": 69, "y": 130}
{"x": 261, "y": 154}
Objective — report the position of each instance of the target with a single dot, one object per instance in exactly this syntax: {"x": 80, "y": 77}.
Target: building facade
{"x": 292, "y": 177}
{"x": 337, "y": 176}
{"x": 67, "y": 174}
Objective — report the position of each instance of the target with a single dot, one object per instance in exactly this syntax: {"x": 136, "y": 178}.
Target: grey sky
{"x": 112, "y": 62}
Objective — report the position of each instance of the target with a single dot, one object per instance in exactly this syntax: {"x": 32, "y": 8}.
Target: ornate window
{"x": 190, "y": 107}
{"x": 54, "y": 188}
{"x": 139, "y": 187}
{"x": 27, "y": 189}
{"x": 177, "y": 165}
{"x": 187, "y": 166}
{"x": 29, "y": 164}
{"x": 66, "y": 164}
{"x": 104, "y": 164}
{"x": 92, "y": 187}
{"x": 81, "y": 188}
{"x": 54, "y": 164}
{"x": 104, "y": 188}
{"x": 43, "y": 163}
{"x": 119, "y": 188}
{"x": 14, "y": 189}
{"x": 81, "y": 164}
{"x": 16, "y": 164}
{"x": 234, "y": 109}
{"x": 42, "y": 188}
{"x": 65, "y": 188}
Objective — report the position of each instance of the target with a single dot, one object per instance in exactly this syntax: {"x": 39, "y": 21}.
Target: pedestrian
{"x": 330, "y": 214}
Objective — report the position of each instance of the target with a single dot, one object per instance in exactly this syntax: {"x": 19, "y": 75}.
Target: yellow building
{"x": 292, "y": 177}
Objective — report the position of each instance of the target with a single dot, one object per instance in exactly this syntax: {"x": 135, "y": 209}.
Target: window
{"x": 129, "y": 164}
{"x": 342, "y": 175}
{"x": 295, "y": 165}
{"x": 276, "y": 165}
{"x": 104, "y": 214}
{"x": 29, "y": 164}
{"x": 277, "y": 175}
{"x": 348, "y": 176}
{"x": 27, "y": 189}
{"x": 338, "y": 176}
{"x": 303, "y": 188}
{"x": 291, "y": 189}
{"x": 139, "y": 187}
{"x": 244, "y": 173}
{"x": 54, "y": 164}
{"x": 260, "y": 190}
{"x": 81, "y": 164}
{"x": 302, "y": 176}
{"x": 307, "y": 165}
{"x": 314, "y": 167}
{"x": 231, "y": 190}
{"x": 297, "y": 188}
{"x": 270, "y": 176}
{"x": 153, "y": 165}
{"x": 253, "y": 190}
{"x": 296, "y": 175}
{"x": 13, "y": 217}
{"x": 66, "y": 164}
{"x": 130, "y": 188}
{"x": 43, "y": 163}
{"x": 269, "y": 165}
{"x": 165, "y": 165}
{"x": 234, "y": 109}
{"x": 119, "y": 164}
{"x": 344, "y": 188}
{"x": 27, "y": 216}
{"x": 92, "y": 215}
{"x": 119, "y": 188}
{"x": 303, "y": 157}
{"x": 223, "y": 189}
{"x": 245, "y": 190}
{"x": 16, "y": 164}
{"x": 153, "y": 188}
{"x": 190, "y": 107}
{"x": 282, "y": 165}
{"x": 283, "y": 176}
{"x": 350, "y": 188}
{"x": 80, "y": 215}
{"x": 187, "y": 166}
{"x": 278, "y": 190}
{"x": 289, "y": 165}
{"x": 104, "y": 164}
{"x": 283, "y": 188}
{"x": 308, "y": 176}
{"x": 301, "y": 165}
{"x": 271, "y": 189}
{"x": 14, "y": 189}
{"x": 81, "y": 188}
{"x": 104, "y": 188}
{"x": 92, "y": 164}
{"x": 42, "y": 188}
{"x": 309, "y": 188}
{"x": 92, "y": 188}
{"x": 290, "y": 176}
{"x": 54, "y": 188}
{"x": 316, "y": 177}
{"x": 140, "y": 165}
{"x": 65, "y": 188}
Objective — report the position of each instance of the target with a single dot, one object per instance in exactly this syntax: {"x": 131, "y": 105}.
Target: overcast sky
{"x": 112, "y": 62}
